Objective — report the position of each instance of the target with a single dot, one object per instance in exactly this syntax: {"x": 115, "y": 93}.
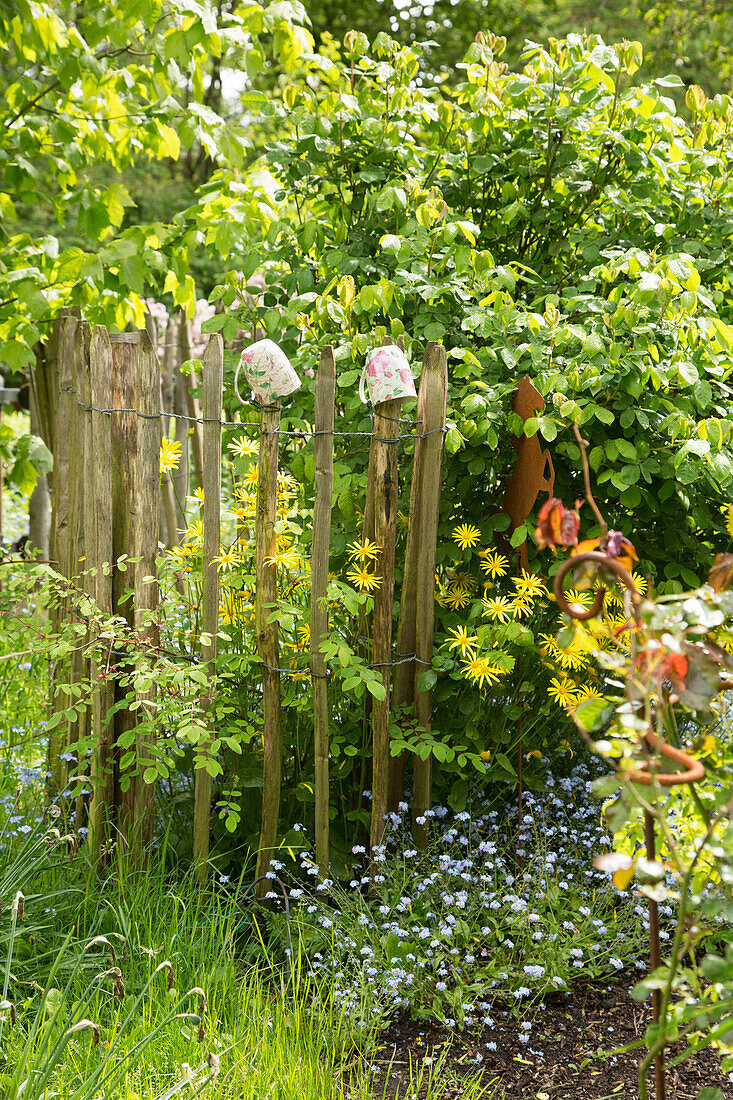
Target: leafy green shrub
{"x": 560, "y": 220}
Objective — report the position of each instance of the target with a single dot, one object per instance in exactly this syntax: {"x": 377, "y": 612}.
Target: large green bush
{"x": 560, "y": 221}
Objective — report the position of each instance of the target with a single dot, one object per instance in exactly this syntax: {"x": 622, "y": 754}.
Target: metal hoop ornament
{"x": 694, "y": 769}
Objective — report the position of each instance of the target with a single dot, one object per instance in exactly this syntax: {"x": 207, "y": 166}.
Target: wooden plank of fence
{"x": 189, "y": 404}
{"x": 213, "y": 382}
{"x": 383, "y": 459}
{"x": 146, "y": 586}
{"x": 58, "y": 738}
{"x": 435, "y": 380}
{"x": 180, "y": 476}
{"x": 43, "y": 380}
{"x": 39, "y": 506}
{"x": 76, "y": 562}
{"x": 404, "y": 677}
{"x": 324, "y": 426}
{"x": 168, "y": 501}
{"x": 100, "y": 362}
{"x": 268, "y": 639}
{"x": 89, "y": 539}
{"x": 124, "y": 504}
{"x": 63, "y": 414}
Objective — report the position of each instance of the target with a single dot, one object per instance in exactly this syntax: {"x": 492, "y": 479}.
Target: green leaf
{"x": 427, "y": 680}
{"x": 592, "y": 345}
{"x": 671, "y": 81}
{"x": 594, "y": 714}
{"x": 717, "y": 969}
{"x": 504, "y": 762}
{"x": 518, "y": 536}
{"x": 548, "y": 428}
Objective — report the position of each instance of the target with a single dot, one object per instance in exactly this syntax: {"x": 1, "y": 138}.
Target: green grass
{"x": 276, "y": 1035}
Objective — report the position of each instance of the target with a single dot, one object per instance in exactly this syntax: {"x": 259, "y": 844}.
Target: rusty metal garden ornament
{"x": 534, "y": 472}
{"x": 558, "y": 526}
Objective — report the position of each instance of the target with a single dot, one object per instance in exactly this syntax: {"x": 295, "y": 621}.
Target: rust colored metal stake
{"x": 694, "y": 769}
{"x": 655, "y": 959}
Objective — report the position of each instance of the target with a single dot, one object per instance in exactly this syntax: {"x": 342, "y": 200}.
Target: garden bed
{"x": 568, "y": 1054}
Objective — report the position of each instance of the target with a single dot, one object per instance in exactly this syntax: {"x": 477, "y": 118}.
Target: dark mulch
{"x": 568, "y": 1055}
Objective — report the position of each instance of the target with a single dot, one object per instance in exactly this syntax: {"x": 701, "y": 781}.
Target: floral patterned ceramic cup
{"x": 268, "y": 371}
{"x": 386, "y": 376}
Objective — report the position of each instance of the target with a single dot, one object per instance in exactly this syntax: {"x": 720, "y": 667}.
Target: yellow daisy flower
{"x": 549, "y": 646}
{"x": 496, "y": 565}
{"x": 587, "y": 692}
{"x": 195, "y": 532}
{"x": 498, "y": 608}
{"x": 729, "y": 519}
{"x": 170, "y": 455}
{"x": 527, "y": 584}
{"x": 364, "y": 551}
{"x": 572, "y": 657}
{"x": 289, "y": 558}
{"x": 582, "y": 598}
{"x": 227, "y": 560}
{"x": 563, "y": 691}
{"x": 640, "y": 582}
{"x": 244, "y": 448}
{"x": 480, "y": 671}
{"x": 466, "y": 535}
{"x": 456, "y": 598}
{"x": 462, "y": 640}
{"x": 363, "y": 579}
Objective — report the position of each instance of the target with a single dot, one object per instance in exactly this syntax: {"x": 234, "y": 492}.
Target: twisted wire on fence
{"x": 243, "y": 425}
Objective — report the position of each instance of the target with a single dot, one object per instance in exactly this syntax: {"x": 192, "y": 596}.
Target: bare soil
{"x": 569, "y": 1054}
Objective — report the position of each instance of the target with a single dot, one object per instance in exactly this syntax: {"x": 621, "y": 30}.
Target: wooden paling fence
{"x": 104, "y": 401}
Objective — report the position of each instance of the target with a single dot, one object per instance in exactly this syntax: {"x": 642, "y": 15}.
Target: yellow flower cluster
{"x": 362, "y": 554}
{"x": 607, "y": 632}
{"x": 237, "y": 557}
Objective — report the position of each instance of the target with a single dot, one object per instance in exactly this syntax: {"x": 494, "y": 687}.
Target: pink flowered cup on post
{"x": 268, "y": 371}
{"x": 386, "y": 376}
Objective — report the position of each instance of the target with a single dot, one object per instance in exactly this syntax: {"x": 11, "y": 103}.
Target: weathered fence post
{"x": 435, "y": 380}
{"x": 187, "y": 404}
{"x": 146, "y": 586}
{"x": 180, "y": 477}
{"x": 39, "y": 505}
{"x": 77, "y": 550}
{"x": 42, "y": 424}
{"x": 324, "y": 426}
{"x": 64, "y": 409}
{"x": 213, "y": 382}
{"x": 124, "y": 507}
{"x": 267, "y": 637}
{"x": 383, "y": 465}
{"x": 100, "y": 361}
{"x": 404, "y": 679}
{"x": 167, "y": 496}
{"x": 83, "y": 388}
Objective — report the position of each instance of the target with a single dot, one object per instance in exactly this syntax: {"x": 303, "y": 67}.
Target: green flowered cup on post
{"x": 268, "y": 371}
